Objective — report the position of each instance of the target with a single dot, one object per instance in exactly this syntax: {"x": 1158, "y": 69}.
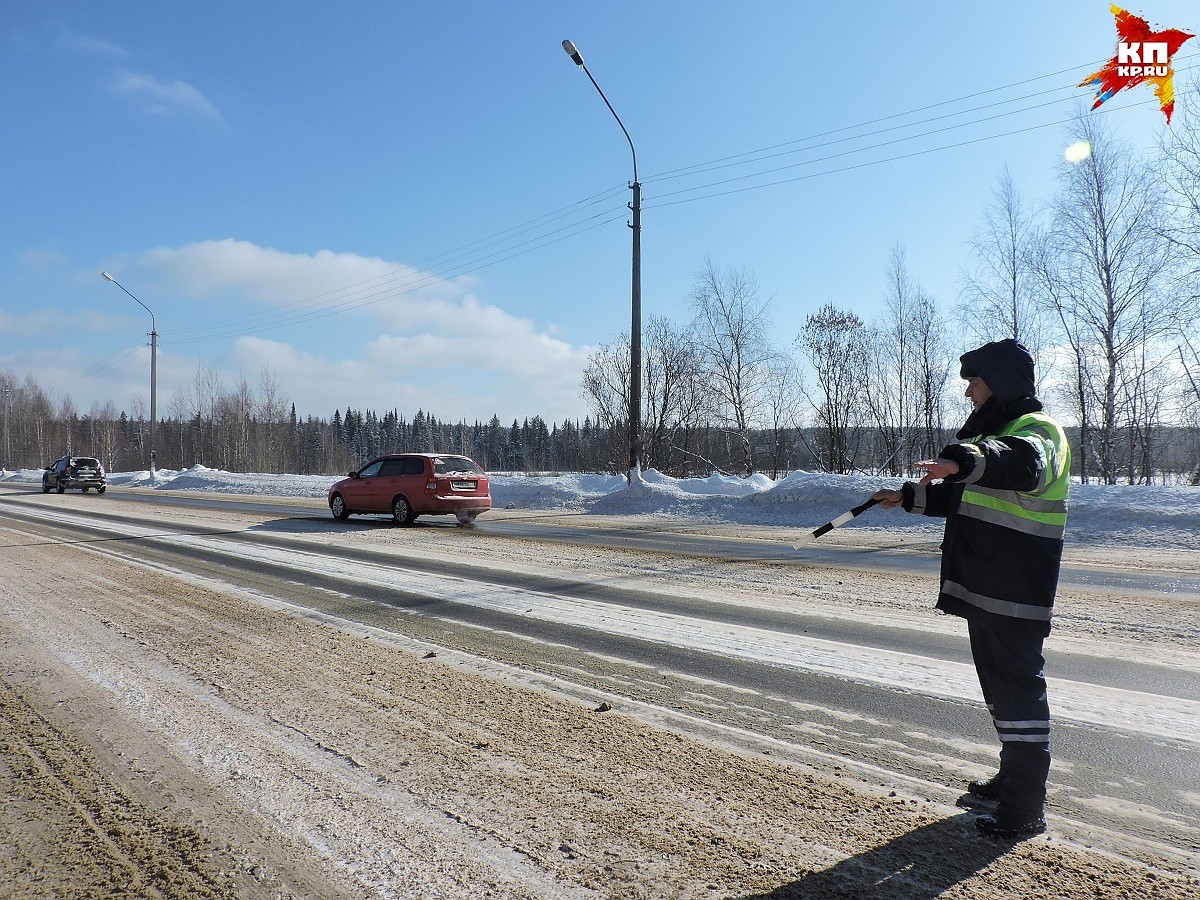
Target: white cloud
{"x": 41, "y": 258}
{"x": 427, "y": 372}
{"x": 77, "y": 42}
{"x": 438, "y": 347}
{"x": 38, "y": 322}
{"x": 161, "y": 98}
{"x": 321, "y": 281}
{"x": 429, "y": 342}
{"x": 471, "y": 333}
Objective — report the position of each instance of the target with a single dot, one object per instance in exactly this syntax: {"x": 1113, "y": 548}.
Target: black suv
{"x": 81, "y": 472}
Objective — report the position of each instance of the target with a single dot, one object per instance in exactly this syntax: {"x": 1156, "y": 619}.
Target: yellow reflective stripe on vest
{"x": 999, "y": 508}
{"x": 1043, "y": 512}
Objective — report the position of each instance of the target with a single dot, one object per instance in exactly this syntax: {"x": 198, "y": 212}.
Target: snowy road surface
{"x": 840, "y": 668}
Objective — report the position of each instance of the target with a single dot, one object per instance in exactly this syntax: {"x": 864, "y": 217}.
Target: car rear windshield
{"x": 87, "y": 462}
{"x": 454, "y": 465}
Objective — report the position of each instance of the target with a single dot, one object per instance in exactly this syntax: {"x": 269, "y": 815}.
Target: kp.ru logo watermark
{"x": 1143, "y": 57}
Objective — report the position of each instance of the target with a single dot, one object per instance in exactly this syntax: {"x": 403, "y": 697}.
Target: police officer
{"x": 1003, "y": 492}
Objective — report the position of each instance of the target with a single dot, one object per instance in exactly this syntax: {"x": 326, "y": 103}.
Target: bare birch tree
{"x": 783, "y": 398}
{"x": 1179, "y": 147}
{"x": 674, "y": 401}
{"x": 932, "y": 361}
{"x": 273, "y": 444}
{"x": 732, "y": 325}
{"x": 889, "y": 367}
{"x": 1104, "y": 266}
{"x": 836, "y": 344}
{"x": 999, "y": 287}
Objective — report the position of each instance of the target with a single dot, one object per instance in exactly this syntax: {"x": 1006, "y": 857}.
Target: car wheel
{"x": 337, "y": 506}
{"x": 61, "y": 488}
{"x": 45, "y": 486}
{"x": 402, "y": 511}
{"x": 466, "y": 518}
{"x": 102, "y": 489}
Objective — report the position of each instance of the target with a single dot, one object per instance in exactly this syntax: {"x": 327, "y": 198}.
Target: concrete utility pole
{"x": 153, "y": 374}
{"x": 635, "y": 330}
{"x": 7, "y": 444}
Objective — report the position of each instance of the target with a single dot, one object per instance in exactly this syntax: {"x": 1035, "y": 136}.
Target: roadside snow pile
{"x": 1136, "y": 515}
{"x": 217, "y": 481}
{"x": 817, "y": 497}
{"x": 708, "y": 499}
{"x": 570, "y": 493}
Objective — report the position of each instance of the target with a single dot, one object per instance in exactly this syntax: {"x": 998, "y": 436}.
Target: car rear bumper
{"x": 438, "y": 505}
{"x": 83, "y": 482}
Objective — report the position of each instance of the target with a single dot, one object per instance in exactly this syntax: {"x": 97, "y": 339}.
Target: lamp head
{"x": 108, "y": 277}
{"x": 573, "y": 53}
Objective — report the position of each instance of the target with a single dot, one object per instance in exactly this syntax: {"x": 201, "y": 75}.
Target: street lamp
{"x": 153, "y": 373}
{"x": 635, "y": 330}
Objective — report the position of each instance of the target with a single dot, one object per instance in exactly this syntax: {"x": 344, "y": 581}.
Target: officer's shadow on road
{"x": 919, "y": 865}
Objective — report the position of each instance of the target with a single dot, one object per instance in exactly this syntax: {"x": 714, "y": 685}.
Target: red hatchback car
{"x": 408, "y": 485}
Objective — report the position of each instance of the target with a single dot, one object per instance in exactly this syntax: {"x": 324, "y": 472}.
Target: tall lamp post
{"x": 7, "y": 445}
{"x": 635, "y": 330}
{"x": 153, "y": 374}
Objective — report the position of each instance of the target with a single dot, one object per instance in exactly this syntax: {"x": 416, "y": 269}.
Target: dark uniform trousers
{"x": 1009, "y": 661}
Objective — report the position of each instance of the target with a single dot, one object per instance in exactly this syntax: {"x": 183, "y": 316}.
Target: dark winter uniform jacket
{"x": 1006, "y": 508}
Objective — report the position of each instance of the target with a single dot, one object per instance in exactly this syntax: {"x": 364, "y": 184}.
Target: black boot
{"x": 1007, "y": 827}
{"x": 986, "y": 790}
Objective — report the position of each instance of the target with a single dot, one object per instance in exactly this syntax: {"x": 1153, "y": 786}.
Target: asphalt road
{"x": 913, "y": 558}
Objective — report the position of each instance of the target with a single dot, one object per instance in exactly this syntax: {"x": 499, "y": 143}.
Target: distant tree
{"x": 516, "y": 448}
{"x": 732, "y": 328}
{"x": 932, "y": 360}
{"x": 783, "y": 408}
{"x": 999, "y": 286}
{"x": 1104, "y": 267}
{"x": 836, "y": 345}
{"x": 1179, "y": 169}
{"x": 888, "y": 376}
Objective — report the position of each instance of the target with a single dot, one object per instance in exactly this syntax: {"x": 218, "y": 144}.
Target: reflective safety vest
{"x": 1003, "y": 548}
{"x": 1042, "y": 511}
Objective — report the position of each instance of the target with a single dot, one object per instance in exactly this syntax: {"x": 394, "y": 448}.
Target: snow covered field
{"x": 1152, "y": 516}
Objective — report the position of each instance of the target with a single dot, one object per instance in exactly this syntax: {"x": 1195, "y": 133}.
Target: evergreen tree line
{"x": 241, "y": 438}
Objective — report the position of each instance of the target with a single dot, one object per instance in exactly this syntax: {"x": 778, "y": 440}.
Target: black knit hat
{"x": 1006, "y": 367}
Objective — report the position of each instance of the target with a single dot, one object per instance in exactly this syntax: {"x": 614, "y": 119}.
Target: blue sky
{"x": 403, "y": 205}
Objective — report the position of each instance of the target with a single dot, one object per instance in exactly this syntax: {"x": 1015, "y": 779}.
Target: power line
{"x": 720, "y": 163}
{"x": 726, "y": 161}
{"x": 466, "y": 259}
{"x": 877, "y": 146}
{"x": 653, "y": 204}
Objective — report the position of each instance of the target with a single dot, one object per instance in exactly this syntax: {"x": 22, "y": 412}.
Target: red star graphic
{"x": 1135, "y": 63}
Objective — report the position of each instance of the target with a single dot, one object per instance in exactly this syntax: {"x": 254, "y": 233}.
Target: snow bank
{"x": 1145, "y": 516}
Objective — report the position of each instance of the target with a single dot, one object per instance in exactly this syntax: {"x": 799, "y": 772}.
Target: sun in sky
{"x": 1078, "y": 152}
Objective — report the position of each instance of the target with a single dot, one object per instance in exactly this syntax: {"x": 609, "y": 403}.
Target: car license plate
{"x": 462, "y": 485}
